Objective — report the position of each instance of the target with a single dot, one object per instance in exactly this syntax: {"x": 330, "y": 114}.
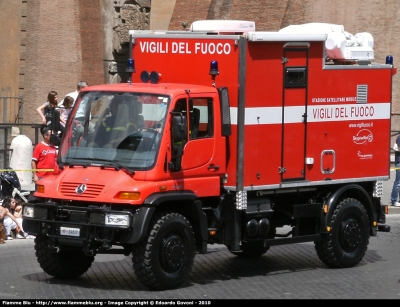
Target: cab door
{"x": 199, "y": 148}
{"x": 202, "y": 159}
{"x": 294, "y": 113}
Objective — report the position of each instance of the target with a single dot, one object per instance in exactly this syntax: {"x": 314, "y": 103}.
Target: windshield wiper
{"x": 71, "y": 165}
{"x": 105, "y": 163}
{"x": 117, "y": 166}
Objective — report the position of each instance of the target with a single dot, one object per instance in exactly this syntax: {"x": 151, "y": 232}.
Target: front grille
{"x": 92, "y": 190}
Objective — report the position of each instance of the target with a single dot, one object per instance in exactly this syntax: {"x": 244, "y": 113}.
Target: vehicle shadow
{"x": 114, "y": 272}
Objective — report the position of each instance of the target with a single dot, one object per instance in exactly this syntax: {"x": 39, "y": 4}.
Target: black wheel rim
{"x": 350, "y": 234}
{"x": 172, "y": 253}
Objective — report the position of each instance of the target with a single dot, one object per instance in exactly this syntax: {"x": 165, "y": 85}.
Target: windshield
{"x": 115, "y": 129}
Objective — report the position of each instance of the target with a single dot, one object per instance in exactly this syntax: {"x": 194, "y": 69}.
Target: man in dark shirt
{"x": 396, "y": 184}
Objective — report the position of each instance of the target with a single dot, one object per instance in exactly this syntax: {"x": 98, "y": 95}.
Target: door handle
{"x": 213, "y": 167}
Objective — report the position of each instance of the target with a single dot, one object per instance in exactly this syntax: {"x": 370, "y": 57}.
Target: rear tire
{"x": 346, "y": 244}
{"x": 64, "y": 264}
{"x": 165, "y": 259}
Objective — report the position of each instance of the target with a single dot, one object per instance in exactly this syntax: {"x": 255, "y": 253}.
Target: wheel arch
{"x": 350, "y": 191}
{"x": 189, "y": 205}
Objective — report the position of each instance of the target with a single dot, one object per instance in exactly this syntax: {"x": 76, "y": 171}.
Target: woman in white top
{"x": 10, "y": 222}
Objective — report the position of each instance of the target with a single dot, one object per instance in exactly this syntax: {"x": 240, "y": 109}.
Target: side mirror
{"x": 179, "y": 128}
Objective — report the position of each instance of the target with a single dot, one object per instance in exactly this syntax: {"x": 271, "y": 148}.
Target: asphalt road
{"x": 284, "y": 272}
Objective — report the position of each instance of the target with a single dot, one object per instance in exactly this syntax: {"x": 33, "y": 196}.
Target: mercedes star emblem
{"x": 80, "y": 189}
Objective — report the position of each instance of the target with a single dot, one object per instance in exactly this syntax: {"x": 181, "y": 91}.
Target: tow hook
{"x": 88, "y": 251}
{"x": 105, "y": 244}
{"x": 51, "y": 243}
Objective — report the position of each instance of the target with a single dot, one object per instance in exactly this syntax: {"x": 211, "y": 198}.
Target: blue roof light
{"x": 145, "y": 76}
{"x": 155, "y": 77}
{"x": 389, "y": 60}
{"x": 214, "y": 68}
{"x": 130, "y": 65}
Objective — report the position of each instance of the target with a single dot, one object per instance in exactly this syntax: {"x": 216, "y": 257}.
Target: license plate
{"x": 67, "y": 231}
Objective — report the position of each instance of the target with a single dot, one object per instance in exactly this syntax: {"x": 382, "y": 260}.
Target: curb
{"x": 394, "y": 210}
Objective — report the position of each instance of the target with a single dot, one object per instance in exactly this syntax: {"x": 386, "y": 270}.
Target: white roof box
{"x": 223, "y": 26}
{"x": 339, "y": 44}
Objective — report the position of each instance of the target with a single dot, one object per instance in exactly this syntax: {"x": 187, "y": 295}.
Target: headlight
{"x": 28, "y": 211}
{"x": 34, "y": 212}
{"x": 117, "y": 219}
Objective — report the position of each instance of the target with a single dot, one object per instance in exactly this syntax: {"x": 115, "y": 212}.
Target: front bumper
{"x": 92, "y": 226}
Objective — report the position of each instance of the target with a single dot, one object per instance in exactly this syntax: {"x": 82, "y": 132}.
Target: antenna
{"x": 130, "y": 66}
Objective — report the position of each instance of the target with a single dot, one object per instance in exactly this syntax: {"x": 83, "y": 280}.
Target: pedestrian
{"x": 66, "y": 109}
{"x": 44, "y": 156}
{"x": 74, "y": 94}
{"x": 18, "y": 216}
{"x": 3, "y": 213}
{"x": 394, "y": 197}
{"x": 45, "y": 110}
{"x": 10, "y": 222}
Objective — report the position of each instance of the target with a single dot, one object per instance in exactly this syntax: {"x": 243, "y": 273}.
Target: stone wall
{"x": 91, "y": 42}
{"x": 10, "y": 42}
{"x": 63, "y": 46}
{"x": 126, "y": 16}
{"x": 268, "y": 15}
{"x": 12, "y": 55}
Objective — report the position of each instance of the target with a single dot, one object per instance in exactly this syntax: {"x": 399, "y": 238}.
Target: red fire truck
{"x": 222, "y": 135}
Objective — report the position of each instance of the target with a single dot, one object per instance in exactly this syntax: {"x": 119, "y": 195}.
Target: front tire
{"x": 165, "y": 259}
{"x": 64, "y": 264}
{"x": 346, "y": 244}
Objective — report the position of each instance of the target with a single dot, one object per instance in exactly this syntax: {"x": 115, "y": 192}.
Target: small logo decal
{"x": 363, "y": 136}
{"x": 80, "y": 189}
{"x": 364, "y": 156}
